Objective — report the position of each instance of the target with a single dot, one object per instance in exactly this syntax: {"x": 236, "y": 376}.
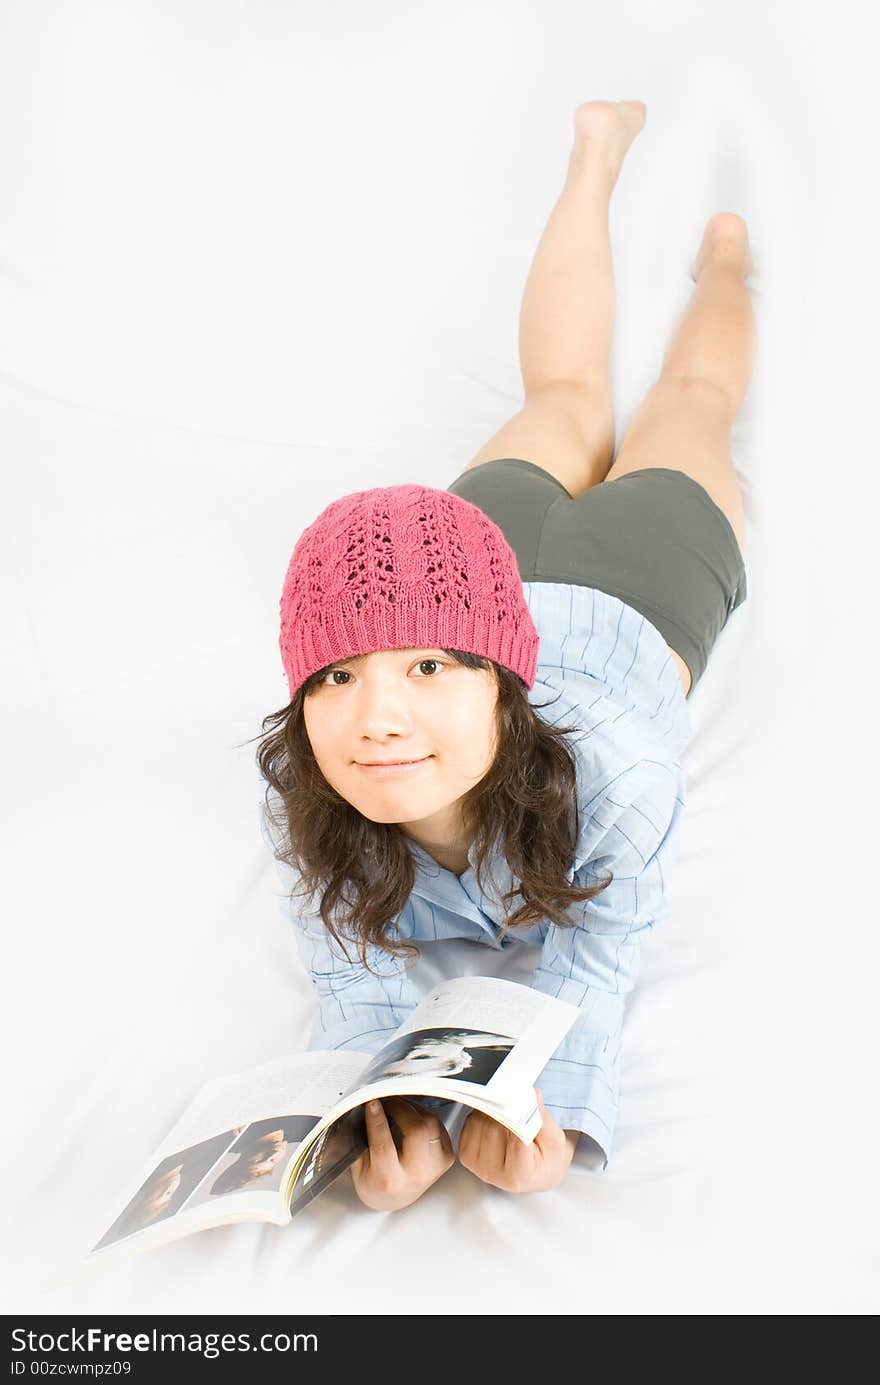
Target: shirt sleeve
{"x": 633, "y": 833}
{"x": 356, "y": 1008}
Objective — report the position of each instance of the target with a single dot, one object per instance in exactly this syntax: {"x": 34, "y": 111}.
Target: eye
{"x": 344, "y": 673}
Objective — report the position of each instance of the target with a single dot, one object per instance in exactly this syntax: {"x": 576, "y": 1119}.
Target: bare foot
{"x": 725, "y": 241}
{"x": 608, "y": 127}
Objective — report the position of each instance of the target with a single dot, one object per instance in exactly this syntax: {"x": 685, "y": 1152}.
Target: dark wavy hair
{"x": 527, "y": 800}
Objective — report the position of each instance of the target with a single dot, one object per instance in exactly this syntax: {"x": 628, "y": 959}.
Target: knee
{"x": 699, "y": 391}
{"x": 586, "y": 403}
{"x": 573, "y": 394}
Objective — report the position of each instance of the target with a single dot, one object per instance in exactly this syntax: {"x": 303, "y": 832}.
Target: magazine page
{"x": 481, "y": 1013}
{"x": 228, "y": 1156}
{"x": 337, "y": 1146}
{"x": 327, "y": 1157}
{"x": 478, "y": 1040}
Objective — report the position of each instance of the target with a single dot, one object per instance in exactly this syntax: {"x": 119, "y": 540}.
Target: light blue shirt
{"x": 607, "y": 670}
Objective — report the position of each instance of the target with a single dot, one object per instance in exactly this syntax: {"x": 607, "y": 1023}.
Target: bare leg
{"x": 569, "y": 300}
{"x": 567, "y": 313}
{"x": 685, "y": 420}
{"x": 715, "y": 337}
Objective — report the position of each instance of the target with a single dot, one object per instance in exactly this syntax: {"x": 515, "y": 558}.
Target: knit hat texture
{"x": 403, "y": 567}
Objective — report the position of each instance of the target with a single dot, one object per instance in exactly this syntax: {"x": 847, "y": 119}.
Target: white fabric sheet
{"x": 252, "y": 258}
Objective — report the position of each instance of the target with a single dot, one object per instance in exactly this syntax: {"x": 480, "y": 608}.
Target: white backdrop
{"x": 255, "y": 256}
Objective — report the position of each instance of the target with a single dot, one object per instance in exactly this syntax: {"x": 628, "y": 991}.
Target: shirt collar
{"x": 462, "y": 894}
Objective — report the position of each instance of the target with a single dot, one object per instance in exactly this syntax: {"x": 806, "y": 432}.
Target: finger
{"x": 470, "y": 1139}
{"x": 495, "y": 1164}
{"x": 486, "y": 1155}
{"x": 493, "y": 1150}
{"x": 521, "y": 1161}
{"x": 521, "y": 1156}
{"x": 408, "y": 1117}
{"x": 551, "y": 1136}
{"x": 430, "y": 1133}
{"x": 432, "y": 1142}
{"x": 445, "y": 1139}
{"x": 418, "y": 1134}
{"x": 412, "y": 1129}
{"x": 383, "y": 1151}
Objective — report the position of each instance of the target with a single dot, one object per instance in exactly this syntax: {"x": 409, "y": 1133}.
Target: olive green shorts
{"x": 654, "y": 538}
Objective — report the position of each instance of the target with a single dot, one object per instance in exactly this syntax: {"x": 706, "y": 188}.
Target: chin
{"x": 391, "y": 816}
{"x": 390, "y": 807}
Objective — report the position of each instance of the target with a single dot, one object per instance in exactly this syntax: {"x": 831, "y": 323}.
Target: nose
{"x": 383, "y": 712}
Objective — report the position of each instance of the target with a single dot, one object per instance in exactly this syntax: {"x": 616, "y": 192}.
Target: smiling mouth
{"x": 375, "y": 764}
{"x": 387, "y": 767}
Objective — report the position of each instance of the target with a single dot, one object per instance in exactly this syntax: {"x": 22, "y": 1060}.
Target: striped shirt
{"x": 608, "y": 671}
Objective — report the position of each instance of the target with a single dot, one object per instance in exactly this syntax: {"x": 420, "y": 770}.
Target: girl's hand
{"x": 497, "y": 1156}
{"x": 386, "y": 1180}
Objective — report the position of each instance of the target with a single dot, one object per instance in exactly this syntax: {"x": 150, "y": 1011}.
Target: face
{"x": 432, "y": 1056}
{"x": 167, "y": 1186}
{"x": 405, "y": 704}
{"x": 259, "y": 1164}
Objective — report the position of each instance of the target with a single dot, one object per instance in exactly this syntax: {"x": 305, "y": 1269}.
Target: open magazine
{"x": 262, "y": 1144}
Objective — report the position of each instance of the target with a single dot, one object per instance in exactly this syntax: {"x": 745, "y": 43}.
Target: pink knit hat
{"x": 403, "y": 567}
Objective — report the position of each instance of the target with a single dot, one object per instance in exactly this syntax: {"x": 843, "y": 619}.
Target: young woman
{"x": 489, "y": 687}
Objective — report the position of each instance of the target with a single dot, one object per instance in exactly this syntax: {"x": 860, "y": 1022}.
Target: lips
{"x": 385, "y": 768}
{"x": 374, "y": 764}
